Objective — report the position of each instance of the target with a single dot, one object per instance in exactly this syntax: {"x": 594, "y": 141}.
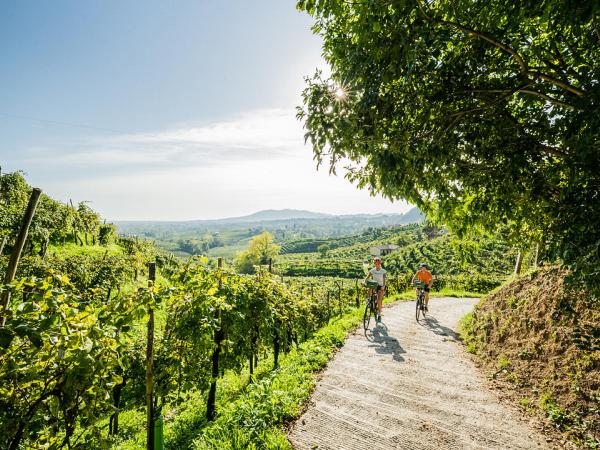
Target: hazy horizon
{"x": 262, "y": 211}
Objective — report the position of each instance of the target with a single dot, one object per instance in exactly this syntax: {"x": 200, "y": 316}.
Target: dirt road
{"x": 406, "y": 385}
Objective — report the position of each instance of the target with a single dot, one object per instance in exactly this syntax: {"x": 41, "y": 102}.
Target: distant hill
{"x": 414, "y": 215}
{"x": 270, "y": 215}
{"x": 285, "y": 224}
{"x": 273, "y": 214}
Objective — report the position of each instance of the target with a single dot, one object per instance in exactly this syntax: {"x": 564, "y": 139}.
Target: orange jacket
{"x": 424, "y": 275}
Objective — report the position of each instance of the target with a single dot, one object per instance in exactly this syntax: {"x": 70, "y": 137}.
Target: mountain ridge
{"x": 266, "y": 215}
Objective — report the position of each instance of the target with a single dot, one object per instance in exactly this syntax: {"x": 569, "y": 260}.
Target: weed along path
{"x": 406, "y": 385}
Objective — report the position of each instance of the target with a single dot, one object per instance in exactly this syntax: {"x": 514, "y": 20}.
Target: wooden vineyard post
{"x": 276, "y": 343}
{"x": 15, "y": 254}
{"x": 518, "y": 263}
{"x": 270, "y": 265}
{"x": 150, "y": 364}
{"x": 536, "y": 261}
{"x": 218, "y": 338}
{"x": 340, "y": 296}
{"x": 357, "y": 294}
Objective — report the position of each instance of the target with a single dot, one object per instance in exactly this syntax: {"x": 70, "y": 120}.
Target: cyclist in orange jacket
{"x": 425, "y": 276}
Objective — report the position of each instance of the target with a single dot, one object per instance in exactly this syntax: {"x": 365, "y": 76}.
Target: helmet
{"x": 424, "y": 265}
{"x": 377, "y": 258}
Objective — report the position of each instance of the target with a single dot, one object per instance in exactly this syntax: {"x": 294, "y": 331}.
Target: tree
{"x": 480, "y": 113}
{"x": 323, "y": 249}
{"x": 260, "y": 251}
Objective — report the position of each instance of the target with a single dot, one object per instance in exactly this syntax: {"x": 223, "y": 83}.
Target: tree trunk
{"x": 2, "y": 244}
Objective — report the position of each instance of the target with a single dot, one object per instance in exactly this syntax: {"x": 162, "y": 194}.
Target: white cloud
{"x": 260, "y": 134}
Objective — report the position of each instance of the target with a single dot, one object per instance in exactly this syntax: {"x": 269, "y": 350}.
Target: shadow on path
{"x": 385, "y": 344}
{"x": 432, "y": 324}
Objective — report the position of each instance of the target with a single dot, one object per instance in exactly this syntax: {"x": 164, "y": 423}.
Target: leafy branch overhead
{"x": 479, "y": 113}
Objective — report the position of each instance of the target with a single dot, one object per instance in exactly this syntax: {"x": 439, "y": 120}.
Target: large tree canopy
{"x": 480, "y": 112}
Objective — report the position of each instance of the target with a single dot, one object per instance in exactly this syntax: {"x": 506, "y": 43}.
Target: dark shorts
{"x": 426, "y": 288}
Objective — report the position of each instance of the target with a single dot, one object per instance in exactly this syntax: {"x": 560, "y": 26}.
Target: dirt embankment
{"x": 541, "y": 340}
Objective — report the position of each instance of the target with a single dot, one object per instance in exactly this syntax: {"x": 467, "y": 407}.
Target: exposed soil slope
{"x": 409, "y": 386}
{"x": 543, "y": 340}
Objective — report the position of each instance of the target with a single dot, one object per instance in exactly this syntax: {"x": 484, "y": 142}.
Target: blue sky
{"x": 164, "y": 110}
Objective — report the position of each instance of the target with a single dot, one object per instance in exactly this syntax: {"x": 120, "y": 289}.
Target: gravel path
{"x": 405, "y": 385}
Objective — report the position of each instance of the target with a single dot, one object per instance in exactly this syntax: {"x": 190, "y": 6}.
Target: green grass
{"x": 255, "y": 419}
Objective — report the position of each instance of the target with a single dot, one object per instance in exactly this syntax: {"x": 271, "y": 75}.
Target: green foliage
{"x": 53, "y": 222}
{"x": 478, "y": 113}
{"x": 106, "y": 234}
{"x": 475, "y": 265}
{"x": 59, "y": 359}
{"x": 323, "y": 249}
{"x": 195, "y": 246}
{"x": 261, "y": 250}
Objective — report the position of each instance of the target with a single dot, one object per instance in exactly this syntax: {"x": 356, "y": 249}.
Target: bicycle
{"x": 420, "y": 306}
{"x": 371, "y": 305}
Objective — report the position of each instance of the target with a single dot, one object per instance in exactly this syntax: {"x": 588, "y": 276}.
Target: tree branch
{"x": 507, "y": 93}
{"x": 549, "y": 99}
{"x": 555, "y": 82}
{"x": 529, "y": 92}
{"x": 485, "y": 36}
{"x": 492, "y": 40}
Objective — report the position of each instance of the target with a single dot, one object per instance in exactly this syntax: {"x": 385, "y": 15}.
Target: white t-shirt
{"x": 378, "y": 275}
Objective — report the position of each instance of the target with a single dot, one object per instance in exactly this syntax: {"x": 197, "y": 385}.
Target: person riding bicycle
{"x": 378, "y": 274}
{"x": 425, "y": 276}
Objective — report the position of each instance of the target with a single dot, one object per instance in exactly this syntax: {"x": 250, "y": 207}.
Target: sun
{"x": 340, "y": 93}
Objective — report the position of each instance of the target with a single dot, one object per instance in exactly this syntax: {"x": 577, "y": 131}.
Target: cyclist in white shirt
{"x": 378, "y": 274}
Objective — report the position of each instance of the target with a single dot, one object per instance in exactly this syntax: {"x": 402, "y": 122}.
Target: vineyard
{"x": 79, "y": 354}
{"x": 84, "y": 318}
{"x": 73, "y": 347}
{"x": 477, "y": 265}
{"x": 355, "y": 245}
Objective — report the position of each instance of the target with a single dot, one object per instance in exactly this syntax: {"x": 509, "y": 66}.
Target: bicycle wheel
{"x": 419, "y": 304}
{"x": 367, "y": 315}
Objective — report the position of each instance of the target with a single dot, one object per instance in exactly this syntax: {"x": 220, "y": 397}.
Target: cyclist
{"x": 425, "y": 276}
{"x": 378, "y": 274}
